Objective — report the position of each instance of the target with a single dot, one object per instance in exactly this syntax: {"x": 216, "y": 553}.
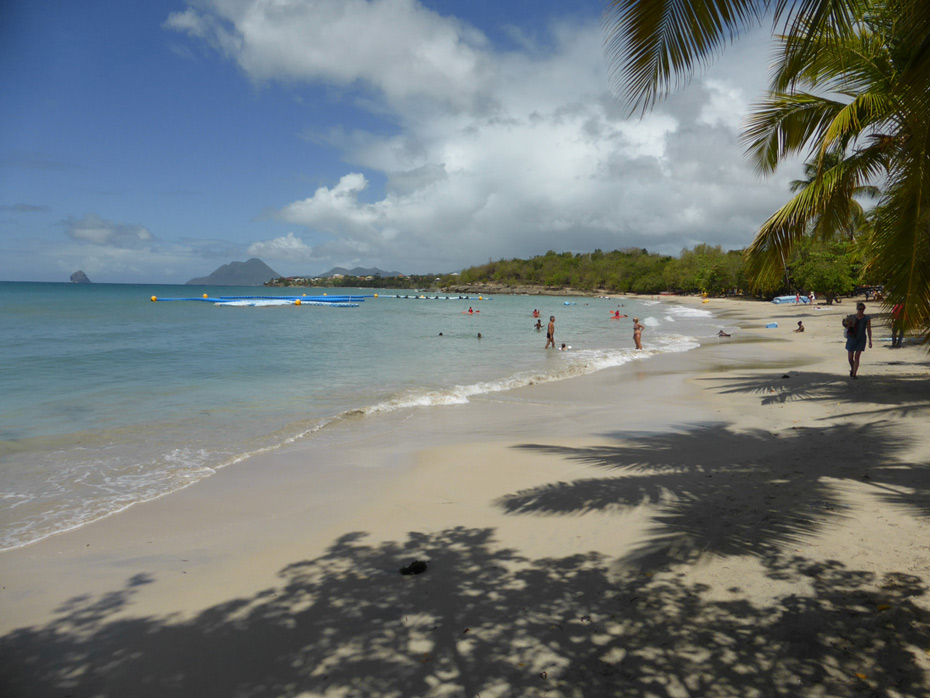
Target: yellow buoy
{"x": 480, "y": 298}
{"x": 154, "y": 299}
{"x": 297, "y": 302}
{"x": 205, "y": 295}
{"x": 325, "y": 294}
{"x": 376, "y": 295}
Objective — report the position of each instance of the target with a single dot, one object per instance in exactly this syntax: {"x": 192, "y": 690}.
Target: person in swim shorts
{"x": 550, "y": 332}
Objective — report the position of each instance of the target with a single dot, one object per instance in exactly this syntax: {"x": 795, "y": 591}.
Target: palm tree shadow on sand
{"x": 487, "y": 621}
{"x": 715, "y": 491}
{"x": 891, "y": 395}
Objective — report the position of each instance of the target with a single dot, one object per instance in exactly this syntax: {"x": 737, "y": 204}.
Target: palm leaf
{"x": 784, "y": 124}
{"x": 899, "y": 246}
{"x": 823, "y": 206}
{"x": 655, "y": 45}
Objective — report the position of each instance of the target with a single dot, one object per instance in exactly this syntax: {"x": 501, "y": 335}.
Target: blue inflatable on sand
{"x": 772, "y": 325}
{"x": 790, "y": 299}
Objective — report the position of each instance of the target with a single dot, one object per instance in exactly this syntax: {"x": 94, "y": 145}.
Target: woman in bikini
{"x": 638, "y": 333}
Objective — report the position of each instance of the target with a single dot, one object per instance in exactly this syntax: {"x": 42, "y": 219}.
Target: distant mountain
{"x": 252, "y": 273}
{"x": 359, "y": 271}
{"x": 79, "y": 277}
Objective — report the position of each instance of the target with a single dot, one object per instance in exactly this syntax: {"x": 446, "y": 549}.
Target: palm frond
{"x": 913, "y": 27}
{"x": 823, "y": 206}
{"x": 899, "y": 246}
{"x": 655, "y": 45}
{"x": 813, "y": 28}
{"x": 784, "y": 124}
{"x": 867, "y": 110}
{"x": 766, "y": 257}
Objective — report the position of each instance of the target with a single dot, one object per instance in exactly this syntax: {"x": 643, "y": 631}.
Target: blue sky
{"x": 154, "y": 141}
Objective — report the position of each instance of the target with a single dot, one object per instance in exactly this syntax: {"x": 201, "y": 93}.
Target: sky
{"x": 152, "y": 142}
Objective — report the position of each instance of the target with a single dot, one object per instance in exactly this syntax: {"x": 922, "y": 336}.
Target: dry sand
{"x": 739, "y": 520}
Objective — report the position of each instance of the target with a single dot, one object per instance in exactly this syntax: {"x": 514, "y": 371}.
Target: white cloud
{"x": 498, "y": 153}
{"x": 94, "y": 230}
{"x": 338, "y": 209}
{"x": 399, "y": 47}
{"x": 290, "y": 247}
{"x": 191, "y": 22}
{"x": 727, "y": 105}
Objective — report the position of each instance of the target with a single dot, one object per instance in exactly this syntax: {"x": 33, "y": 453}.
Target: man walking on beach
{"x": 857, "y": 326}
{"x": 550, "y": 332}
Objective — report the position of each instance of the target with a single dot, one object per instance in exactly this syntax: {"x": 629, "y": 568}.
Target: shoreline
{"x": 429, "y": 397}
{"x": 706, "y": 484}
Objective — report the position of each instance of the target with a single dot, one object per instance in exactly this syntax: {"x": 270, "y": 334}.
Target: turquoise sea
{"x": 108, "y": 399}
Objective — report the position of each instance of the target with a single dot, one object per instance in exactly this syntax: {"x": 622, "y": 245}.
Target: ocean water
{"x": 108, "y": 399}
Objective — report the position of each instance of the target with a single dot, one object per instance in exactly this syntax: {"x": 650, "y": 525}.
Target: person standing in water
{"x": 550, "y": 332}
{"x": 857, "y": 326}
{"x": 638, "y": 333}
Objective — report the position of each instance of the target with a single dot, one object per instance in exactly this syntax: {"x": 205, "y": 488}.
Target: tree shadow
{"x": 715, "y": 491}
{"x": 486, "y": 621}
{"x": 898, "y": 394}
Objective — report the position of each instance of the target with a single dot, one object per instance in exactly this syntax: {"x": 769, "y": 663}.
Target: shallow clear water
{"x": 107, "y": 399}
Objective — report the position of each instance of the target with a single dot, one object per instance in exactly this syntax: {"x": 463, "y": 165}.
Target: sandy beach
{"x": 742, "y": 519}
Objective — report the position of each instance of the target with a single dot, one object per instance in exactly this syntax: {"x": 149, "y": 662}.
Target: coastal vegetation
{"x": 352, "y": 281}
{"x": 704, "y": 268}
{"x": 829, "y": 269}
{"x": 850, "y": 92}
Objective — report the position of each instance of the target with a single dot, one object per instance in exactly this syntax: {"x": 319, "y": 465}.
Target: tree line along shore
{"x": 829, "y": 269}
